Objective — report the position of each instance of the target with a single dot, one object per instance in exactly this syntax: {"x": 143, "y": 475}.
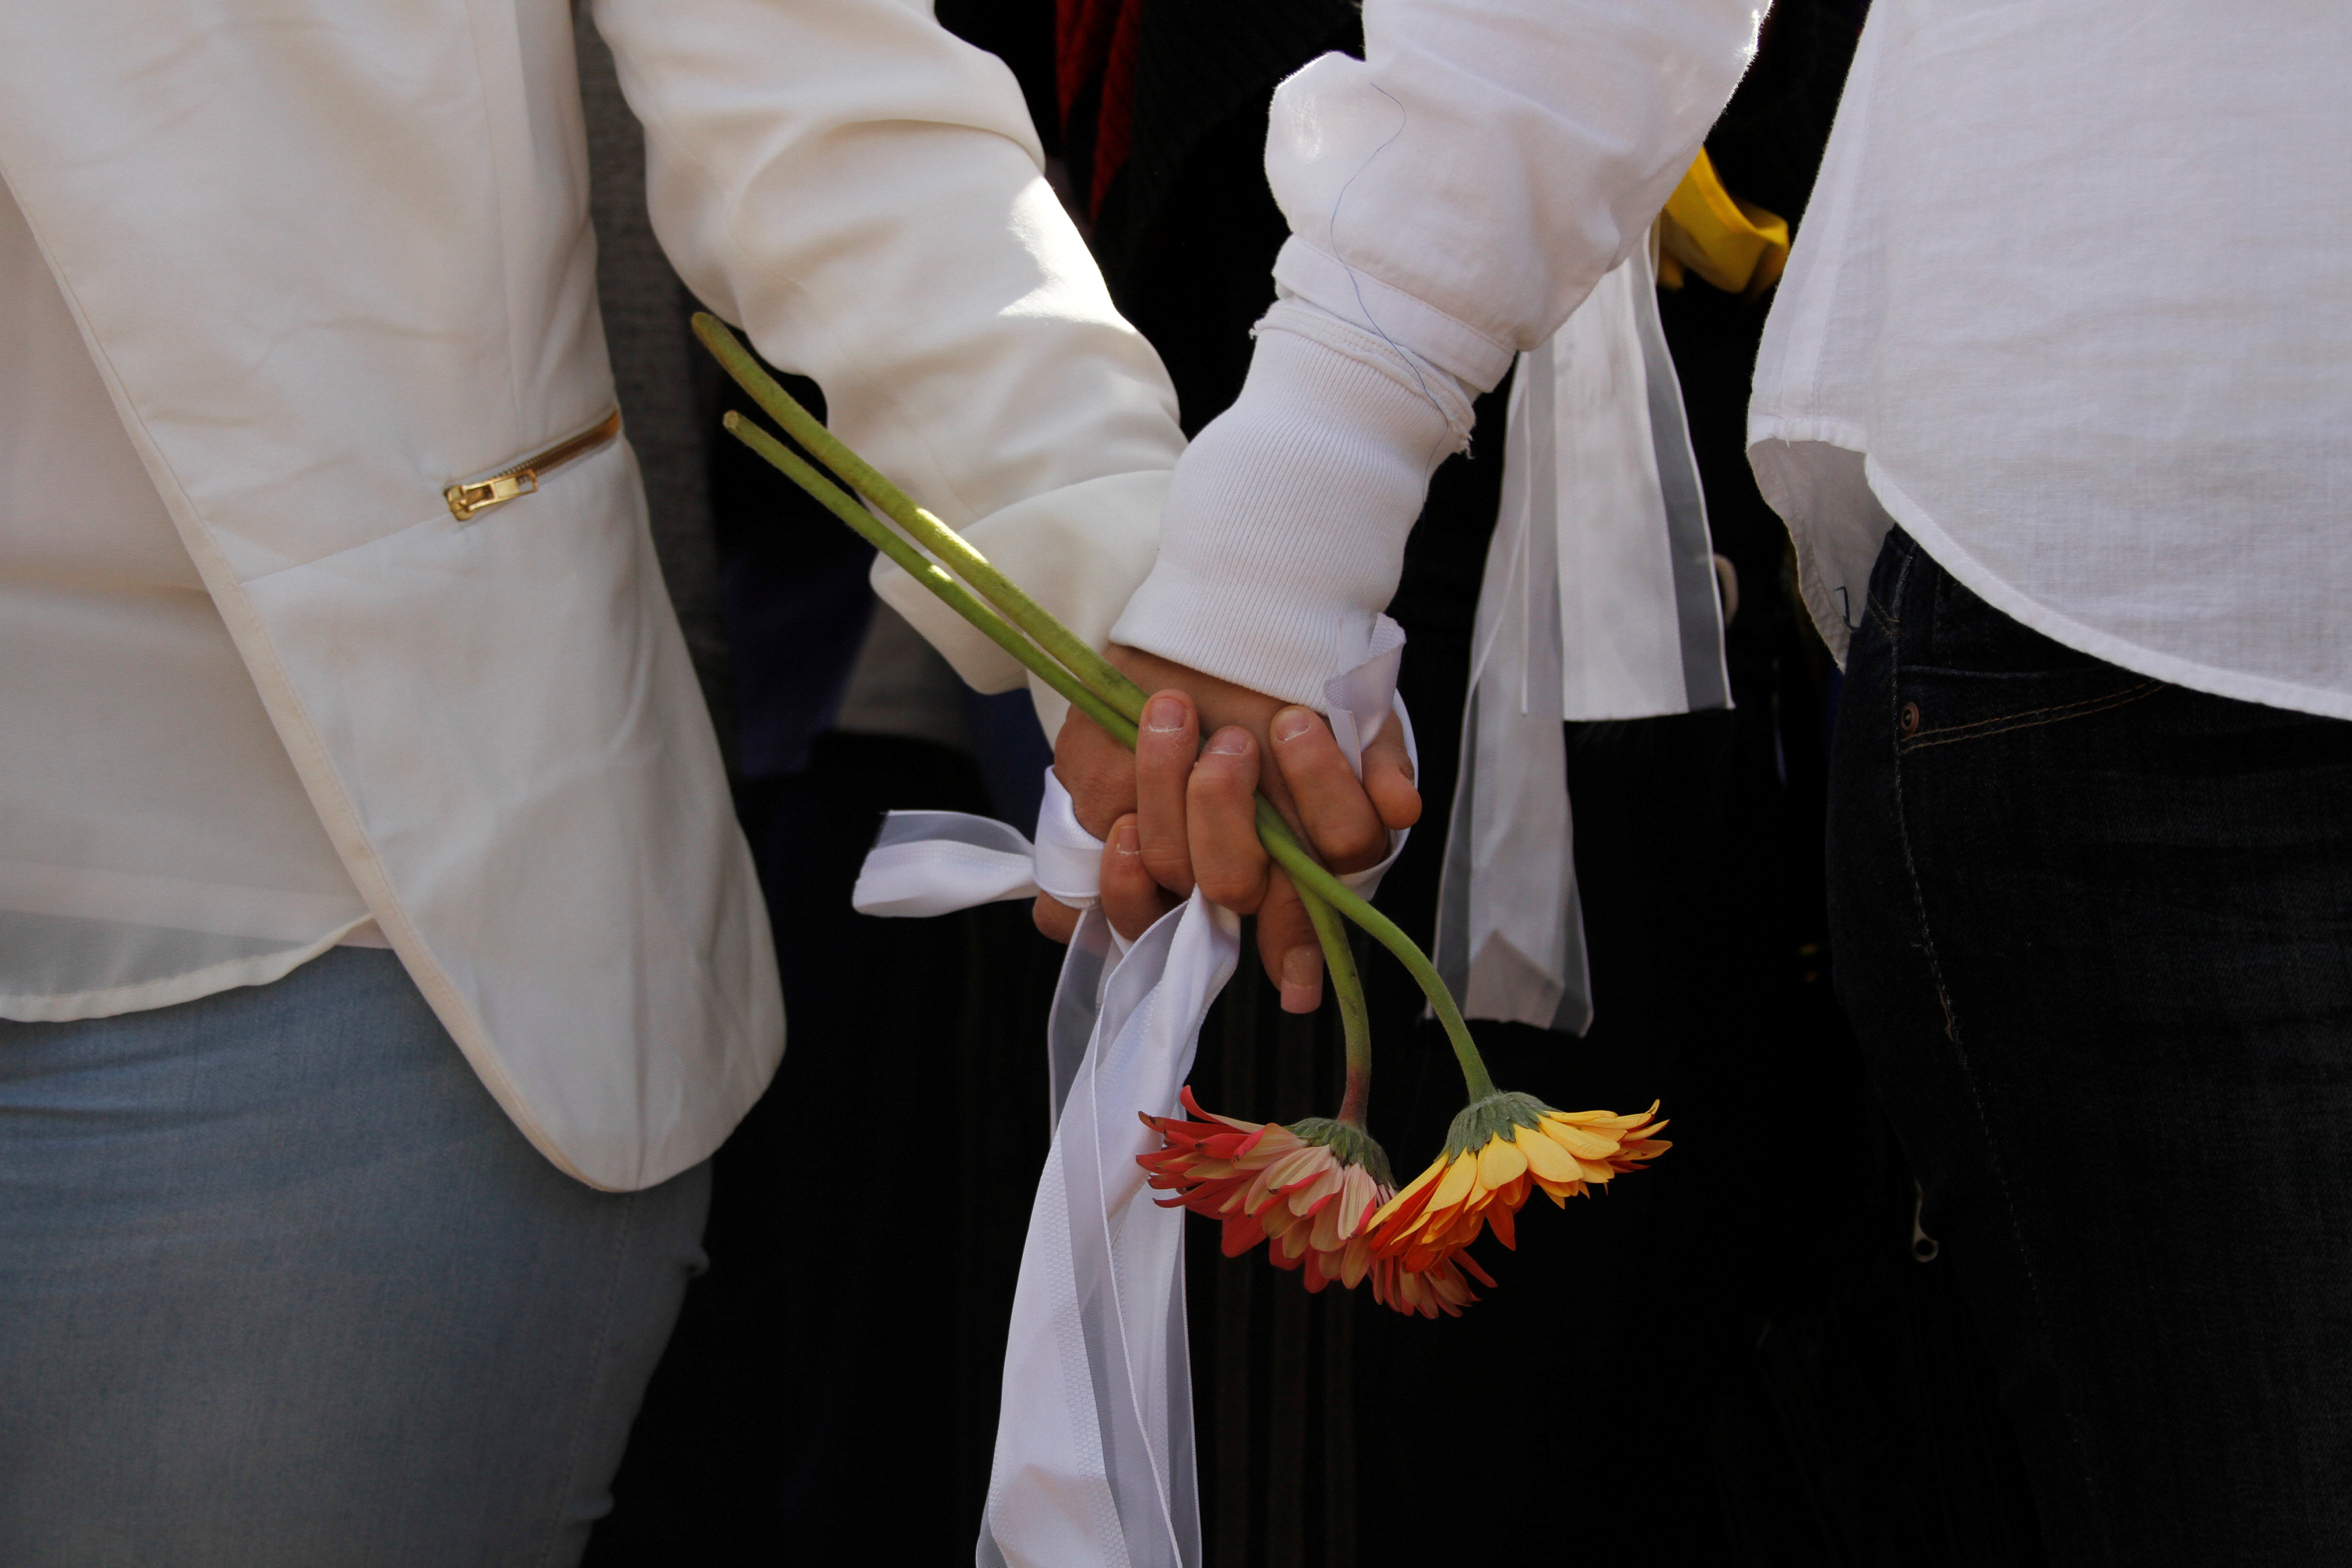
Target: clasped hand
{"x": 1175, "y": 815}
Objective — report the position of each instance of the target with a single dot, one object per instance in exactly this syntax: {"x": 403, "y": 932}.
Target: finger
{"x": 1055, "y": 918}
{"x": 1389, "y": 778}
{"x": 1221, "y": 821}
{"x": 1097, "y": 771}
{"x": 1131, "y": 899}
{"x": 1165, "y": 745}
{"x": 1338, "y": 817}
{"x": 1287, "y": 945}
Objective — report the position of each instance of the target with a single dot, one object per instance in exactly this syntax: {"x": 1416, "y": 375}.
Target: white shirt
{"x": 324, "y": 274}
{"x": 2068, "y": 304}
{"x": 2075, "y": 296}
{"x": 155, "y": 844}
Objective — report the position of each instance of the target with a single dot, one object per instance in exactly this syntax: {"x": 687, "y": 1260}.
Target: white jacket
{"x": 330, "y": 259}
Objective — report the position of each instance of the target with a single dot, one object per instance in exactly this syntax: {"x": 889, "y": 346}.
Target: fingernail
{"x": 1163, "y": 714}
{"x": 1291, "y": 723}
{"x": 1302, "y": 970}
{"x": 1126, "y": 839}
{"x": 1230, "y": 742}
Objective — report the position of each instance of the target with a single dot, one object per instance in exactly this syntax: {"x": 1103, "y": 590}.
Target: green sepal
{"x": 1352, "y": 1145}
{"x": 1496, "y": 1116}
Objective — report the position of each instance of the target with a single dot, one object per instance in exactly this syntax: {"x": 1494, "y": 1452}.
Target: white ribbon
{"x": 1599, "y": 602}
{"x": 1358, "y": 702}
{"x": 1094, "y": 1441}
{"x": 935, "y": 862}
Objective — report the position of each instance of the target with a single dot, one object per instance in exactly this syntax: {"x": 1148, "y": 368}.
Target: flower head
{"x": 1309, "y": 1191}
{"x": 1499, "y": 1151}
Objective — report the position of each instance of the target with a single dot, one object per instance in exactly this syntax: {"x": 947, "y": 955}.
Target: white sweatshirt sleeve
{"x": 1453, "y": 197}
{"x": 862, "y": 193}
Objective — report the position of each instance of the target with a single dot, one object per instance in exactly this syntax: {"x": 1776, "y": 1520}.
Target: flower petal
{"x": 1241, "y": 1234}
{"x": 1560, "y": 1192}
{"x": 1326, "y": 1236}
{"x": 1500, "y": 1164}
{"x": 1455, "y": 1185}
{"x": 1194, "y": 1106}
{"x": 1412, "y": 1191}
{"x": 1581, "y": 1142}
{"x": 1546, "y": 1158}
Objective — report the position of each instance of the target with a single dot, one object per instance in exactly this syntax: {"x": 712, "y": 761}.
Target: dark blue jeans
{"x": 2095, "y": 934}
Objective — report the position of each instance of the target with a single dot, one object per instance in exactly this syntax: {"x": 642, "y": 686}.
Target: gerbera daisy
{"x": 1499, "y": 1151}
{"x": 1309, "y": 1190}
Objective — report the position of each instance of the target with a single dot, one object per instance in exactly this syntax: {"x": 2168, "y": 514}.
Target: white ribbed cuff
{"x": 1287, "y": 518}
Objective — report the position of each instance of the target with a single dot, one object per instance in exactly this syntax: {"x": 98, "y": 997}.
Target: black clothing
{"x": 2095, "y": 932}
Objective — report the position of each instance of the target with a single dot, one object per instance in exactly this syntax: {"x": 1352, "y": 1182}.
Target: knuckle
{"x": 1079, "y": 737}
{"x": 1363, "y": 841}
{"x": 1219, "y": 779}
{"x": 1234, "y": 891}
{"x": 1283, "y": 919}
{"x": 1172, "y": 870}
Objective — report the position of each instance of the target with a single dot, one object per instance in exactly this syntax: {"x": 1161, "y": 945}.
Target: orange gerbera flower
{"x": 1308, "y": 1190}
{"x": 1438, "y": 1288}
{"x": 1498, "y": 1152}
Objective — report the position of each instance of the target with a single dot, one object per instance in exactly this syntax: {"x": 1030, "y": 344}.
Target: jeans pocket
{"x": 1948, "y": 707}
{"x": 1964, "y": 670}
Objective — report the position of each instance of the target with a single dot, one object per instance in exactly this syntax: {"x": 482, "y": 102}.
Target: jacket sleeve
{"x": 1453, "y": 196}
{"x": 862, "y": 193}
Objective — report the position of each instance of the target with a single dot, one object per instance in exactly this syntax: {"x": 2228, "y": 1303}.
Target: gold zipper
{"x": 522, "y": 478}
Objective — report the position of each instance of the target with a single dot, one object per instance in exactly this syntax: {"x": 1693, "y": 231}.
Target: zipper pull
{"x": 465, "y": 500}
{"x": 466, "y": 497}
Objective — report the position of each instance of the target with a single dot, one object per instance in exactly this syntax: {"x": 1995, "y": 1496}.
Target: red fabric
{"x": 1095, "y": 42}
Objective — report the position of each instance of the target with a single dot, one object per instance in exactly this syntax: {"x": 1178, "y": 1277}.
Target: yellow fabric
{"x": 1736, "y": 246}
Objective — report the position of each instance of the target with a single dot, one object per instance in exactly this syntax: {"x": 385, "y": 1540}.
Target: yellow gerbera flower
{"x": 1499, "y": 1151}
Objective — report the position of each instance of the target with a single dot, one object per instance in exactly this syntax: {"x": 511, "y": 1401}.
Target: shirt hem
{"x": 2020, "y": 607}
{"x": 196, "y": 984}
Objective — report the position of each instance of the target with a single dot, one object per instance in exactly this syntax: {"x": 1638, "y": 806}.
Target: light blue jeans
{"x": 281, "y": 1284}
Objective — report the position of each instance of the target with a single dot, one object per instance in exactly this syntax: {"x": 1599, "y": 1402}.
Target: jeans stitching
{"x": 2031, "y": 718}
{"x": 1967, "y": 1074}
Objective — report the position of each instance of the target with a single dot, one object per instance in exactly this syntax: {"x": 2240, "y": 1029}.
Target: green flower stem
{"x": 1310, "y": 876}
{"x": 1355, "y": 1019}
{"x": 1099, "y": 675}
{"x": 1116, "y": 704}
{"x": 957, "y": 596}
